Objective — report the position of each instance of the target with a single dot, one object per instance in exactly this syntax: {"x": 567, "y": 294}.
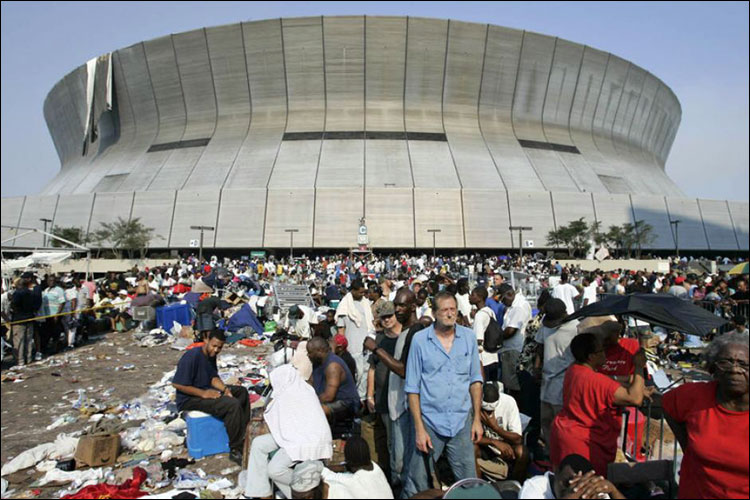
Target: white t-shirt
{"x": 481, "y": 321}
{"x": 302, "y": 325}
{"x": 538, "y": 487}
{"x": 361, "y": 484}
{"x": 590, "y": 293}
{"x": 566, "y": 292}
{"x": 557, "y": 359}
{"x": 71, "y": 294}
{"x": 355, "y": 334}
{"x": 424, "y": 310}
{"x": 464, "y": 306}
{"x": 516, "y": 316}
{"x": 507, "y": 415}
{"x": 541, "y": 487}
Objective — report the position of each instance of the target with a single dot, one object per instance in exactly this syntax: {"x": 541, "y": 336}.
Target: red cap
{"x": 206, "y": 269}
{"x": 340, "y": 340}
{"x": 679, "y": 280}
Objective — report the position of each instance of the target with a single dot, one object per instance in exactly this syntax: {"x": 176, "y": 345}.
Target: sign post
{"x": 433, "y": 231}
{"x": 520, "y": 230}
{"x": 291, "y": 242}
{"x": 201, "y": 229}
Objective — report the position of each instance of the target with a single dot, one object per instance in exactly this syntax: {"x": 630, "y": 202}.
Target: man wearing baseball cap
{"x": 341, "y": 349}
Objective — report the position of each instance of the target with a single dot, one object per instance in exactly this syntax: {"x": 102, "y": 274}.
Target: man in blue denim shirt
{"x": 443, "y": 384}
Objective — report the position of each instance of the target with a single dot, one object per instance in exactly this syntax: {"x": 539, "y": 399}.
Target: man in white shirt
{"x": 69, "y": 321}
{"x": 501, "y": 446}
{"x": 574, "y": 471}
{"x": 566, "y": 292}
{"x": 299, "y": 319}
{"x": 462, "y": 298}
{"x": 354, "y": 320}
{"x": 517, "y": 316}
{"x": 482, "y": 318}
{"x": 424, "y": 308}
{"x": 589, "y": 292}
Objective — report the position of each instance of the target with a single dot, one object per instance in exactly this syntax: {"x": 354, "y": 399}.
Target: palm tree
{"x": 128, "y": 236}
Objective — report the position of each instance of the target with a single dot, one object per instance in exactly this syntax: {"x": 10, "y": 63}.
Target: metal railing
{"x": 727, "y": 309}
{"x": 640, "y": 448}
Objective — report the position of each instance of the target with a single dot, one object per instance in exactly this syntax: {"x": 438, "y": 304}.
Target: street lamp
{"x": 520, "y": 230}
{"x": 291, "y": 242}
{"x": 676, "y": 224}
{"x": 44, "y": 244}
{"x": 201, "y": 229}
{"x": 433, "y": 231}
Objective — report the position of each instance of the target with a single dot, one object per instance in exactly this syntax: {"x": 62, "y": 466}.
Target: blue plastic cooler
{"x": 167, "y": 315}
{"x": 206, "y": 435}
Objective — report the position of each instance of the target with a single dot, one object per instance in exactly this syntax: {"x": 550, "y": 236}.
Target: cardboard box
{"x": 96, "y": 451}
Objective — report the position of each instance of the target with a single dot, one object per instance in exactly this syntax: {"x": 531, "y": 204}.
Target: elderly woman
{"x": 587, "y": 424}
{"x": 710, "y": 421}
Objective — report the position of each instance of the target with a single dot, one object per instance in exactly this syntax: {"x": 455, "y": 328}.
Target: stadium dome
{"x": 413, "y": 123}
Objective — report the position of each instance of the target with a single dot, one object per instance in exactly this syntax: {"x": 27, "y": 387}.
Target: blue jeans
{"x": 460, "y": 451}
{"x": 401, "y": 444}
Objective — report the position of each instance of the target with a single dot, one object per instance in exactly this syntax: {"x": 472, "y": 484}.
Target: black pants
{"x": 530, "y": 405}
{"x": 235, "y": 412}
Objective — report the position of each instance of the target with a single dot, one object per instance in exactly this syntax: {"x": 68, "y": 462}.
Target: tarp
{"x": 37, "y": 259}
{"x": 242, "y": 318}
{"x": 192, "y": 298}
{"x": 658, "y": 309}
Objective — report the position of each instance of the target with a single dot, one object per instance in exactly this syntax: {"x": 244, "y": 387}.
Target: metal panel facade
{"x": 466, "y": 94}
{"x": 35, "y": 208}
{"x": 653, "y": 210}
{"x": 718, "y": 225}
{"x": 194, "y": 208}
{"x": 690, "y": 232}
{"x": 241, "y": 218}
{"x": 531, "y": 209}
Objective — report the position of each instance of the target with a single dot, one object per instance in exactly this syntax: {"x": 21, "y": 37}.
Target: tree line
{"x": 124, "y": 237}
{"x": 578, "y": 236}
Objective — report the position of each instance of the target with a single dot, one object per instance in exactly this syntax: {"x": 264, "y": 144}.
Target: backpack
{"x": 493, "y": 336}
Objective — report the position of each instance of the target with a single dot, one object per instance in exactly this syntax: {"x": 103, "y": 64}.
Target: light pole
{"x": 201, "y": 229}
{"x": 433, "y": 231}
{"x": 44, "y": 244}
{"x": 520, "y": 230}
{"x": 676, "y": 224}
{"x": 291, "y": 242}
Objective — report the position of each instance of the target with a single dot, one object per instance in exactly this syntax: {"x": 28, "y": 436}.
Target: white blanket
{"x": 346, "y": 308}
{"x": 63, "y": 447}
{"x": 295, "y": 417}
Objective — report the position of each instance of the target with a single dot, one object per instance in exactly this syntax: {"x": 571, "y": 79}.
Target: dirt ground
{"x": 34, "y": 402}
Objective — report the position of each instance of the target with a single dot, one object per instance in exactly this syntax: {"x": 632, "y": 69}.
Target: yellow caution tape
{"x": 108, "y": 306}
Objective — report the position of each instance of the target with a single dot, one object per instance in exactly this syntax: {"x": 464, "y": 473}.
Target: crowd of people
{"x": 452, "y": 367}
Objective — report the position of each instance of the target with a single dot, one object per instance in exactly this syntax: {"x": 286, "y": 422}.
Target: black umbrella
{"x": 658, "y": 309}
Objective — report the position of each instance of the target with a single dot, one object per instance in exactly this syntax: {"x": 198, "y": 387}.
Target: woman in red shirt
{"x": 710, "y": 421}
{"x": 587, "y": 424}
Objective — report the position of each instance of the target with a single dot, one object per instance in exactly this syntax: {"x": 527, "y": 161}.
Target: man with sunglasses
{"x": 377, "y": 381}
{"x": 401, "y": 440}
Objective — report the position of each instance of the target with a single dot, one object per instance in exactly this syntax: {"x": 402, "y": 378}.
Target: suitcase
{"x": 144, "y": 313}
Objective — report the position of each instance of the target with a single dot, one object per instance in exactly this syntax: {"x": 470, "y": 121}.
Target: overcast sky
{"x": 699, "y": 49}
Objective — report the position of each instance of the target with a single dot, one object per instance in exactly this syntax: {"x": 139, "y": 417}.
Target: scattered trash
{"x": 146, "y": 432}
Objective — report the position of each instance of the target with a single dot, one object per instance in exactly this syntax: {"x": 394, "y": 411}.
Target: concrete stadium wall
{"x": 399, "y": 217}
{"x": 415, "y": 123}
